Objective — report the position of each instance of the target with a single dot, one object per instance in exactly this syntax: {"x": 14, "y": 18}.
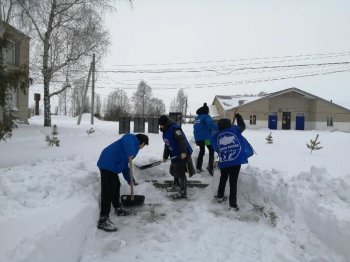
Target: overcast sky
{"x": 206, "y": 47}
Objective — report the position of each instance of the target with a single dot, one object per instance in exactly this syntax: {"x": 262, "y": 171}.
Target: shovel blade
{"x": 137, "y": 201}
{"x": 148, "y": 165}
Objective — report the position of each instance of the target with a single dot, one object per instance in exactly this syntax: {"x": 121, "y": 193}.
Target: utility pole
{"x": 185, "y": 109}
{"x": 84, "y": 96}
{"x": 93, "y": 90}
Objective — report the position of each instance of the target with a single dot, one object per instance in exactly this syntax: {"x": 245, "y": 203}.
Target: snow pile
{"x": 45, "y": 209}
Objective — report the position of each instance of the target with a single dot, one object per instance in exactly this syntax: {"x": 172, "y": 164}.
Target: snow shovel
{"x": 132, "y": 200}
{"x": 157, "y": 163}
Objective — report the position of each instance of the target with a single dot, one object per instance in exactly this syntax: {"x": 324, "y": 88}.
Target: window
{"x": 329, "y": 120}
{"x": 12, "y": 99}
{"x": 11, "y": 56}
{"x": 14, "y": 104}
{"x": 252, "y": 120}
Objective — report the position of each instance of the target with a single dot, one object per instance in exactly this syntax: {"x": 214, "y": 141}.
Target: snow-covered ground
{"x": 295, "y": 206}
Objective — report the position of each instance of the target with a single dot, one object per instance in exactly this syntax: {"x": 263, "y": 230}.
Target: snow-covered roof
{"x": 212, "y": 111}
{"x": 308, "y": 95}
{"x": 229, "y": 102}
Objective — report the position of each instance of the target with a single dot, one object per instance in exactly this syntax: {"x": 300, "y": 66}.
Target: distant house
{"x": 289, "y": 109}
{"x": 225, "y": 103}
{"x": 213, "y": 112}
{"x": 16, "y": 56}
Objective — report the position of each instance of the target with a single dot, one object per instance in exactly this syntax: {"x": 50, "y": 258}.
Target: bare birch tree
{"x": 180, "y": 103}
{"x": 141, "y": 98}
{"x": 116, "y": 105}
{"x": 157, "y": 107}
{"x": 76, "y": 97}
{"x": 65, "y": 33}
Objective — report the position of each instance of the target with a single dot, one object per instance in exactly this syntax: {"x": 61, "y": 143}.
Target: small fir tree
{"x": 269, "y": 138}
{"x": 90, "y": 131}
{"x": 314, "y": 145}
{"x": 6, "y": 126}
{"x": 53, "y": 140}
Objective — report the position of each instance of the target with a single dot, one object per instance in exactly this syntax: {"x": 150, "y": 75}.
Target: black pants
{"x": 232, "y": 173}
{"x": 110, "y": 191}
{"x": 178, "y": 170}
{"x": 202, "y": 145}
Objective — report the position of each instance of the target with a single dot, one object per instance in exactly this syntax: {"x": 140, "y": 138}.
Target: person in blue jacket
{"x": 203, "y": 128}
{"x": 177, "y": 147}
{"x": 233, "y": 150}
{"x": 113, "y": 160}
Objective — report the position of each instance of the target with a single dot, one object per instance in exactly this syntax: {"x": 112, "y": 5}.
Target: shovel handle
{"x": 131, "y": 179}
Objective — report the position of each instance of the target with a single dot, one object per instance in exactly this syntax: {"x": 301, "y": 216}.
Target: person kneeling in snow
{"x": 233, "y": 150}
{"x": 113, "y": 160}
{"x": 179, "y": 149}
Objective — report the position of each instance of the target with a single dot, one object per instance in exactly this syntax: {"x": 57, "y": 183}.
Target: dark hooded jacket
{"x": 175, "y": 141}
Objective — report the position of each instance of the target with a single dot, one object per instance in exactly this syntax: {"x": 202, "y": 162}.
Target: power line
{"x": 192, "y": 70}
{"x": 307, "y": 56}
{"x": 239, "y": 82}
{"x": 182, "y": 85}
{"x": 226, "y": 71}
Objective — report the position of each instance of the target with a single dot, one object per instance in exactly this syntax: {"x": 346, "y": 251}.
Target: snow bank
{"x": 57, "y": 234}
{"x": 311, "y": 198}
{"x": 326, "y": 211}
{"x": 46, "y": 209}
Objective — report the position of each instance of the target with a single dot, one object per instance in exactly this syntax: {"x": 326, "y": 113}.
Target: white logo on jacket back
{"x": 197, "y": 121}
{"x": 229, "y": 146}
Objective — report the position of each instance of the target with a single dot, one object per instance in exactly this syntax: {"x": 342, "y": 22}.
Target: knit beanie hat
{"x": 203, "y": 110}
{"x": 224, "y": 123}
{"x": 142, "y": 138}
{"x": 163, "y": 120}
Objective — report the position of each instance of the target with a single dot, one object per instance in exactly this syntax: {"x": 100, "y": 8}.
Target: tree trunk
{"x": 47, "y": 113}
{"x": 46, "y": 70}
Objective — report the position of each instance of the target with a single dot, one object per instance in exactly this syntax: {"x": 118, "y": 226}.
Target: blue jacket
{"x": 204, "y": 127}
{"x": 174, "y": 146}
{"x": 115, "y": 157}
{"x": 233, "y": 149}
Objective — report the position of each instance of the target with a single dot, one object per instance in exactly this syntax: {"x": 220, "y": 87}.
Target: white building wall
{"x": 310, "y": 126}
{"x": 259, "y": 124}
{"x": 341, "y": 126}
{"x": 344, "y": 127}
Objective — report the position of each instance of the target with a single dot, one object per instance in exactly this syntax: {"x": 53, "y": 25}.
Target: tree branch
{"x": 61, "y": 90}
{"x": 33, "y": 21}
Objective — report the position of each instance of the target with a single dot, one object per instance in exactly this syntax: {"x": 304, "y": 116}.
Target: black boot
{"x": 120, "y": 211}
{"x": 105, "y": 224}
{"x": 183, "y": 189}
{"x": 210, "y": 170}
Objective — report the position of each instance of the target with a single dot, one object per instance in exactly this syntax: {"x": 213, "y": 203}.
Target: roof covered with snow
{"x": 229, "y": 102}
{"x": 212, "y": 111}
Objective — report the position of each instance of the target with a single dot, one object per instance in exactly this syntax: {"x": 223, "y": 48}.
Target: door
{"x": 286, "y": 120}
{"x": 299, "y": 122}
{"x": 272, "y": 122}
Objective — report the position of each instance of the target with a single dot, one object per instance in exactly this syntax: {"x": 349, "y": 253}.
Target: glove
{"x": 127, "y": 178}
{"x": 135, "y": 184}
